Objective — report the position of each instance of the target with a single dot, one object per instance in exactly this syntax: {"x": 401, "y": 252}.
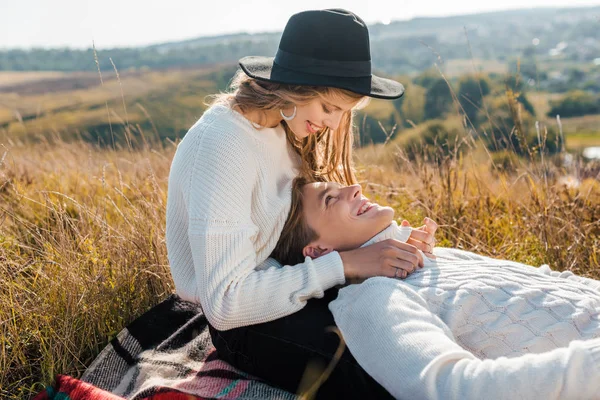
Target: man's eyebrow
{"x": 331, "y": 186}
{"x": 323, "y": 193}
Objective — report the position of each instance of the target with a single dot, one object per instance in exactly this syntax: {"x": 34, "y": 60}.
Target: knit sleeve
{"x": 393, "y": 231}
{"x": 593, "y": 283}
{"x": 412, "y": 353}
{"x": 232, "y": 291}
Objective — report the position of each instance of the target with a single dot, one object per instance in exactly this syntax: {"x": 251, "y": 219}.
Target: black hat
{"x": 324, "y": 48}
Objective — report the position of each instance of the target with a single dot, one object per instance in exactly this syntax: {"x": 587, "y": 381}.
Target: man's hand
{"x": 423, "y": 237}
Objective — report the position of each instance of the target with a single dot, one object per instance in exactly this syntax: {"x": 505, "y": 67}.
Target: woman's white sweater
{"x": 473, "y": 327}
{"x": 228, "y": 199}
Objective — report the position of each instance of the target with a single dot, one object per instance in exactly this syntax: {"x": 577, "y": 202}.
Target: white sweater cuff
{"x": 329, "y": 270}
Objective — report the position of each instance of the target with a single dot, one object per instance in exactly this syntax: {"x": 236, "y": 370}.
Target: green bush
{"x": 471, "y": 93}
{"x": 504, "y": 162}
{"x": 575, "y": 103}
{"x": 509, "y": 126}
{"x": 435, "y": 142}
{"x": 438, "y": 100}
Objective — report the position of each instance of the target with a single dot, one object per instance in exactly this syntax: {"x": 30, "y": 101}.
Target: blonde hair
{"x": 326, "y": 155}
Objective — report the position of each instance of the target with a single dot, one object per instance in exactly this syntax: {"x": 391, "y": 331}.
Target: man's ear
{"x": 315, "y": 250}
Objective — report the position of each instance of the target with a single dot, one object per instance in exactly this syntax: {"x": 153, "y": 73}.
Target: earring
{"x": 291, "y": 117}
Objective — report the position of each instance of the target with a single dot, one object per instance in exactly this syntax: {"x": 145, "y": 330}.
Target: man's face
{"x": 341, "y": 216}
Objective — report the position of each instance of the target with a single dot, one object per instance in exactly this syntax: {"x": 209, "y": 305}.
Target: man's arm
{"x": 412, "y": 353}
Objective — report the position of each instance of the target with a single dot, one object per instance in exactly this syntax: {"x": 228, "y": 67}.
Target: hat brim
{"x": 264, "y": 68}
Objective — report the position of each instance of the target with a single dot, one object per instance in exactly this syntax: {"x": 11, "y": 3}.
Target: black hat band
{"x": 350, "y": 69}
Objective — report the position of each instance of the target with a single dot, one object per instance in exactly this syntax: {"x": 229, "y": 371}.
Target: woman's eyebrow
{"x": 332, "y": 105}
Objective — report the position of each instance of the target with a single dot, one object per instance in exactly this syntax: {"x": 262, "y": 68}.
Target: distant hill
{"x": 564, "y": 35}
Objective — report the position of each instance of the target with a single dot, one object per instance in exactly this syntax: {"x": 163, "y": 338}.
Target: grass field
{"x": 579, "y": 131}
{"x": 452, "y": 68}
{"x": 83, "y": 247}
{"x": 82, "y": 227}
{"x": 168, "y": 102}
{"x": 164, "y": 101}
{"x": 10, "y": 78}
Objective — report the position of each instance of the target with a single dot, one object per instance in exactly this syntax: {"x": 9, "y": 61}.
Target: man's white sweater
{"x": 472, "y": 327}
{"x": 228, "y": 199}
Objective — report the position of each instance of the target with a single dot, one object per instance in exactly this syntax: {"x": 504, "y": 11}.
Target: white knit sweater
{"x": 228, "y": 199}
{"x": 472, "y": 327}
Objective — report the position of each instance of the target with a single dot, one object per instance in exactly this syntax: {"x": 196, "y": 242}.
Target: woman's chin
{"x": 299, "y": 132}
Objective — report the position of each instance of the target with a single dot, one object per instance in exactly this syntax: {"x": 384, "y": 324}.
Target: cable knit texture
{"x": 228, "y": 198}
{"x": 471, "y": 327}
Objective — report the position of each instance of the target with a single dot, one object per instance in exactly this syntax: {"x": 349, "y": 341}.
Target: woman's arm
{"x": 412, "y": 353}
{"x": 218, "y": 186}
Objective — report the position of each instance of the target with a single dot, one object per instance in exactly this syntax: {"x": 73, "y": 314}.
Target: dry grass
{"x": 83, "y": 249}
{"x": 82, "y": 232}
{"x": 10, "y": 78}
{"x": 83, "y": 253}
{"x": 541, "y": 101}
{"x": 78, "y": 102}
{"x": 537, "y": 214}
{"x": 579, "y": 131}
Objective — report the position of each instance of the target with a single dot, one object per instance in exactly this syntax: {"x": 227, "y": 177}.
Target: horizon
{"x": 41, "y": 32}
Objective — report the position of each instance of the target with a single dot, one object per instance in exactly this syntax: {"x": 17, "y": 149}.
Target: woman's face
{"x": 318, "y": 114}
{"x": 341, "y": 216}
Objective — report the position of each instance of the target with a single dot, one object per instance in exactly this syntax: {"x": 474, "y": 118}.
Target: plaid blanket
{"x": 165, "y": 353}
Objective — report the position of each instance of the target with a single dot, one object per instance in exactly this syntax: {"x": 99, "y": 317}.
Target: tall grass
{"x": 531, "y": 214}
{"x": 83, "y": 249}
{"x": 82, "y": 233}
{"x": 82, "y": 254}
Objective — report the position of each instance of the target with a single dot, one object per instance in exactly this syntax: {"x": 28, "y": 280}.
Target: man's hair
{"x": 296, "y": 233}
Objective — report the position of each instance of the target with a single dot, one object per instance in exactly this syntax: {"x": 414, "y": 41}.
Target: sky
{"x": 121, "y": 23}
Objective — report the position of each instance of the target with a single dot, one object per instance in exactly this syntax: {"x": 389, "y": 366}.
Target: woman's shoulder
{"x": 220, "y": 116}
{"x": 219, "y": 124}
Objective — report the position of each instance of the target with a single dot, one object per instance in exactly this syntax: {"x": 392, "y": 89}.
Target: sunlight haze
{"x": 114, "y": 23}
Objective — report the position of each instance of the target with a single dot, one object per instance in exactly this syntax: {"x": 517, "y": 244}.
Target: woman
{"x": 463, "y": 327}
{"x": 229, "y": 196}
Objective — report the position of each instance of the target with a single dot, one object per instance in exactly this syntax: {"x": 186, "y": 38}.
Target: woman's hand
{"x": 390, "y": 257}
{"x": 423, "y": 237}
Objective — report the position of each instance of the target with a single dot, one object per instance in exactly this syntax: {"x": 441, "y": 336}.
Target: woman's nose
{"x": 333, "y": 122}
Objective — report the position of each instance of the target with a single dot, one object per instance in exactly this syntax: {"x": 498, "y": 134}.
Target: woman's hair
{"x": 326, "y": 155}
{"x": 295, "y": 233}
